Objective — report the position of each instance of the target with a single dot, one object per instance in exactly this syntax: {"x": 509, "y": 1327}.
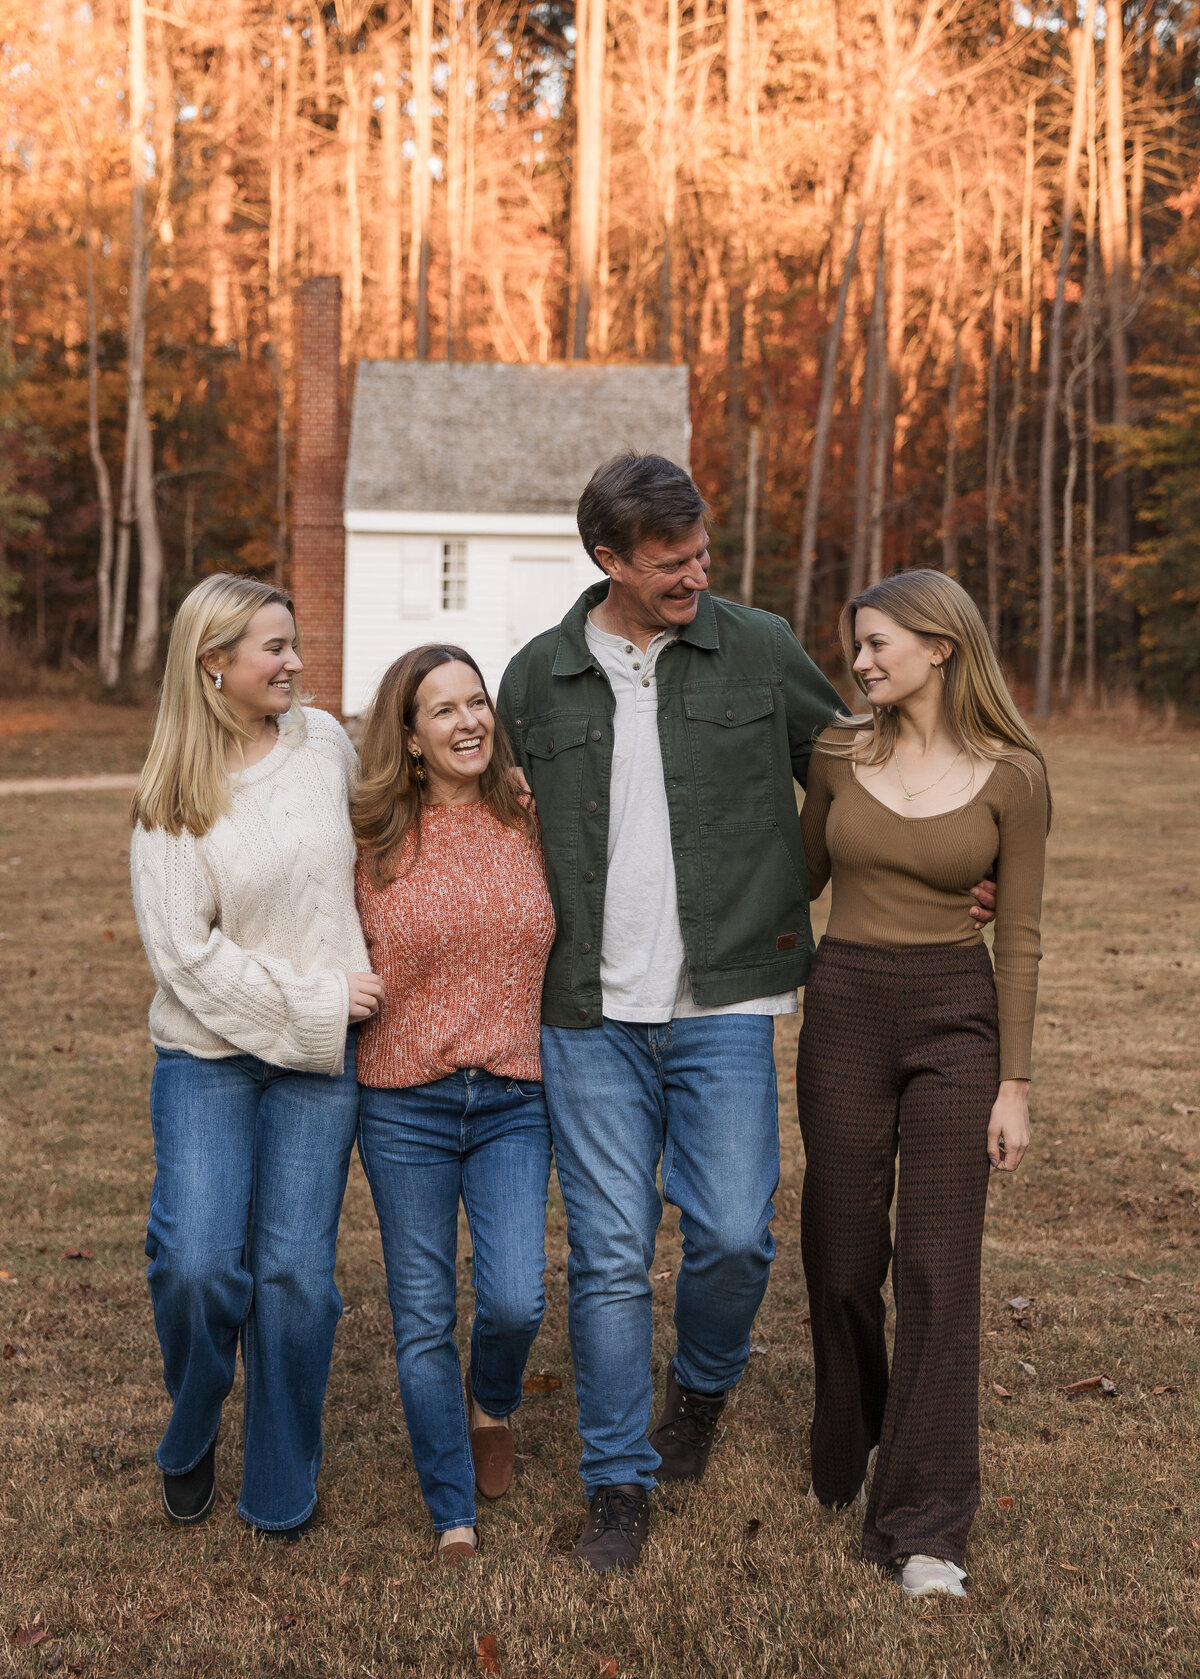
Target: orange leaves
{"x": 541, "y": 1382}
{"x": 487, "y": 1654}
{"x": 1090, "y": 1384}
{"x": 1005, "y": 1501}
{"x": 78, "y": 1253}
{"x": 1000, "y": 1392}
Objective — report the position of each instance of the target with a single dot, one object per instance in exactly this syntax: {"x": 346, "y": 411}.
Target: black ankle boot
{"x": 187, "y": 1499}
{"x": 683, "y": 1435}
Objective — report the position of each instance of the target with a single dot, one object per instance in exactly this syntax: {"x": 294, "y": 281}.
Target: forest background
{"x": 935, "y": 269}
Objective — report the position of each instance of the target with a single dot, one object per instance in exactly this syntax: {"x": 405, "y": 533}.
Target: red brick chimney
{"x": 318, "y": 537}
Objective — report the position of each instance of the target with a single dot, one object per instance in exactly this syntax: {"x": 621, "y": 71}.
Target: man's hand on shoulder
{"x": 984, "y": 909}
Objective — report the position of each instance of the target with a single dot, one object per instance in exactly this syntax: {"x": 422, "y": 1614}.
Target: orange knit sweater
{"x": 460, "y": 939}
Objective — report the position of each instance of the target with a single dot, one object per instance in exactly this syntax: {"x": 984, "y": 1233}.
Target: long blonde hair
{"x": 386, "y": 804}
{"x": 979, "y": 710}
{"x": 184, "y": 784}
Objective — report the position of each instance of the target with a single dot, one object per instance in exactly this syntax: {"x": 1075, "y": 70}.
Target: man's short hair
{"x": 632, "y": 497}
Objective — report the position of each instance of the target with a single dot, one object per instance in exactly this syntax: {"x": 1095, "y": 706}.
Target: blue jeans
{"x": 250, "y": 1171}
{"x": 487, "y": 1140}
{"x": 699, "y": 1094}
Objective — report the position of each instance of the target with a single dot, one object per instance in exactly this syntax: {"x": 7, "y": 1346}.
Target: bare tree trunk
{"x": 736, "y": 258}
{"x": 668, "y": 142}
{"x": 391, "y": 279}
{"x": 222, "y": 187}
{"x": 590, "y": 46}
{"x": 1089, "y": 424}
{"x": 150, "y": 554}
{"x": 816, "y": 465}
{"x": 950, "y": 485}
{"x": 1118, "y": 278}
{"x": 422, "y": 196}
{"x": 868, "y": 419}
{"x": 750, "y": 523}
{"x": 604, "y": 257}
{"x": 349, "y": 120}
{"x": 1081, "y": 52}
{"x": 992, "y": 444}
{"x": 104, "y": 564}
{"x": 135, "y": 392}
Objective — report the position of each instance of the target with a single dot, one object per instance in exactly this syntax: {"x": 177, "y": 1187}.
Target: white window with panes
{"x": 454, "y": 577}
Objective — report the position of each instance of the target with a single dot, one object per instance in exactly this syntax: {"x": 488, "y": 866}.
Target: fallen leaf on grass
{"x": 5, "y": 1275}
{"x": 540, "y": 1382}
{"x": 607, "y": 1667}
{"x": 52, "y": 1656}
{"x": 1070, "y": 1567}
{"x": 752, "y": 1527}
{"x": 1089, "y": 1384}
{"x": 1019, "y": 1305}
{"x": 26, "y": 1637}
{"x": 1135, "y": 1277}
{"x": 288, "y": 1620}
{"x": 487, "y": 1654}
{"x": 78, "y": 1253}
{"x": 157, "y": 1614}
{"x": 1001, "y": 1393}
{"x": 108, "y": 935}
{"x": 13, "y": 1349}
{"x": 662, "y": 1276}
{"x": 1006, "y": 1501}
{"x": 756, "y": 1347}
{"x": 1028, "y": 1368}
{"x": 1166, "y": 1388}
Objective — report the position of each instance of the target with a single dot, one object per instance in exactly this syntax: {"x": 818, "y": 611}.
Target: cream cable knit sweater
{"x": 251, "y": 929}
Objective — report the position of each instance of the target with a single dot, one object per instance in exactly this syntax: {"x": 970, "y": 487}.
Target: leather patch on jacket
{"x": 786, "y": 941}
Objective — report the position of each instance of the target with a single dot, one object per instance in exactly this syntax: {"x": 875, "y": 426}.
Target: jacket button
{"x": 591, "y": 805}
{"x": 729, "y": 716}
{"x": 586, "y": 949}
{"x": 582, "y": 1014}
{"x": 595, "y": 734}
{"x": 550, "y": 743}
{"x": 588, "y": 876}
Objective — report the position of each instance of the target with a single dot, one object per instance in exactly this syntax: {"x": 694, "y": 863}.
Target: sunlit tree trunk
{"x": 104, "y": 497}
{"x": 1081, "y": 54}
{"x": 591, "y": 21}
{"x": 868, "y": 419}
{"x": 1118, "y": 276}
{"x": 422, "y": 191}
{"x": 668, "y": 141}
{"x": 750, "y": 521}
{"x": 950, "y": 481}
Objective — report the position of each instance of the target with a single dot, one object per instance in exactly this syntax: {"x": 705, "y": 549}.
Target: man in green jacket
{"x": 662, "y": 731}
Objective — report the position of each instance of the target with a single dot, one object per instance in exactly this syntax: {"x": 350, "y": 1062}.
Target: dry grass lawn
{"x": 1085, "y": 1558}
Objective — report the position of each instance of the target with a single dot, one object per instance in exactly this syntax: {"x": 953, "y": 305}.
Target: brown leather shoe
{"x": 684, "y": 1434}
{"x": 494, "y": 1451}
{"x": 456, "y": 1554}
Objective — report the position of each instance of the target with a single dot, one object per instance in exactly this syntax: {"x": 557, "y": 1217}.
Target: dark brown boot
{"x": 683, "y": 1435}
{"x": 618, "y": 1520}
{"x": 494, "y": 1451}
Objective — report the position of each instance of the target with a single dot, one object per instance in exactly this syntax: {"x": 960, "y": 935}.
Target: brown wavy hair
{"x": 979, "y": 710}
{"x": 386, "y": 805}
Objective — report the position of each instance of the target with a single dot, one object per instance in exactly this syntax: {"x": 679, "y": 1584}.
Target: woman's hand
{"x": 366, "y": 994}
{"x": 1008, "y": 1130}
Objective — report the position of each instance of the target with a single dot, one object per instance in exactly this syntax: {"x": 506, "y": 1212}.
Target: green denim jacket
{"x": 739, "y": 706}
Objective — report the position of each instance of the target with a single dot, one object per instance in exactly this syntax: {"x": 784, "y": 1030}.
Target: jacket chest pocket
{"x": 731, "y": 735}
{"x": 554, "y": 749}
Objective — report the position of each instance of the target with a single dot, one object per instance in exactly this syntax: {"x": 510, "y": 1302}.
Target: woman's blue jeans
{"x": 250, "y": 1171}
{"x": 487, "y": 1140}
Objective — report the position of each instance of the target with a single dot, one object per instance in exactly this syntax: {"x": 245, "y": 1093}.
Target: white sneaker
{"x": 922, "y": 1575}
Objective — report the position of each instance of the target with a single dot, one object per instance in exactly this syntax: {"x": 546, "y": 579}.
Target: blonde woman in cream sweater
{"x": 242, "y": 868}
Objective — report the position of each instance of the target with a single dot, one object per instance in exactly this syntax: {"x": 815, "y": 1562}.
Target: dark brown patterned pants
{"x": 898, "y": 1048}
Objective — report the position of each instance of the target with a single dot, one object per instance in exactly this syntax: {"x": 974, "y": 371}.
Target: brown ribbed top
{"x": 900, "y": 880}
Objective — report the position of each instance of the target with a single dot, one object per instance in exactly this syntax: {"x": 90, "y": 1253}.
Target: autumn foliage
{"x": 930, "y": 265}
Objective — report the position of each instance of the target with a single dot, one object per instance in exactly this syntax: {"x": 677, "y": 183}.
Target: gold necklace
{"x": 932, "y": 784}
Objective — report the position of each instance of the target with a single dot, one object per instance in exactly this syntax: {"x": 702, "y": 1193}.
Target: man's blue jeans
{"x": 699, "y": 1094}
{"x": 250, "y": 1171}
{"x": 487, "y": 1140}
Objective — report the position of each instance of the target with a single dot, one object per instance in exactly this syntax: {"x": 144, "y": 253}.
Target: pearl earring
{"x": 217, "y": 680}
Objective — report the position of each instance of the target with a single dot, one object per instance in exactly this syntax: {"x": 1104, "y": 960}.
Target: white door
{"x": 539, "y": 593}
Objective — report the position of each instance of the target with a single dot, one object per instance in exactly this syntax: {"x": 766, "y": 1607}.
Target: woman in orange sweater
{"x": 910, "y": 1042}
{"x": 454, "y": 906}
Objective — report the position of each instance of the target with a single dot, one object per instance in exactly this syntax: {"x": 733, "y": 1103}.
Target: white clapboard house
{"x": 461, "y": 487}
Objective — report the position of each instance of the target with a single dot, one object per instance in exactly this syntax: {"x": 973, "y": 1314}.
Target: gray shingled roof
{"x": 490, "y": 437}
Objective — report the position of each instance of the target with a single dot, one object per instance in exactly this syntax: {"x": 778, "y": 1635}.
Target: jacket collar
{"x": 574, "y": 655}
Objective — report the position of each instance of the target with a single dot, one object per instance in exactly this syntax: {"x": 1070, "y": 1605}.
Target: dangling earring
{"x": 941, "y": 670}
{"x": 217, "y": 680}
{"x": 418, "y": 767}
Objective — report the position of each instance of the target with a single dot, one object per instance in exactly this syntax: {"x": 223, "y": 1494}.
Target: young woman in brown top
{"x": 911, "y": 1040}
